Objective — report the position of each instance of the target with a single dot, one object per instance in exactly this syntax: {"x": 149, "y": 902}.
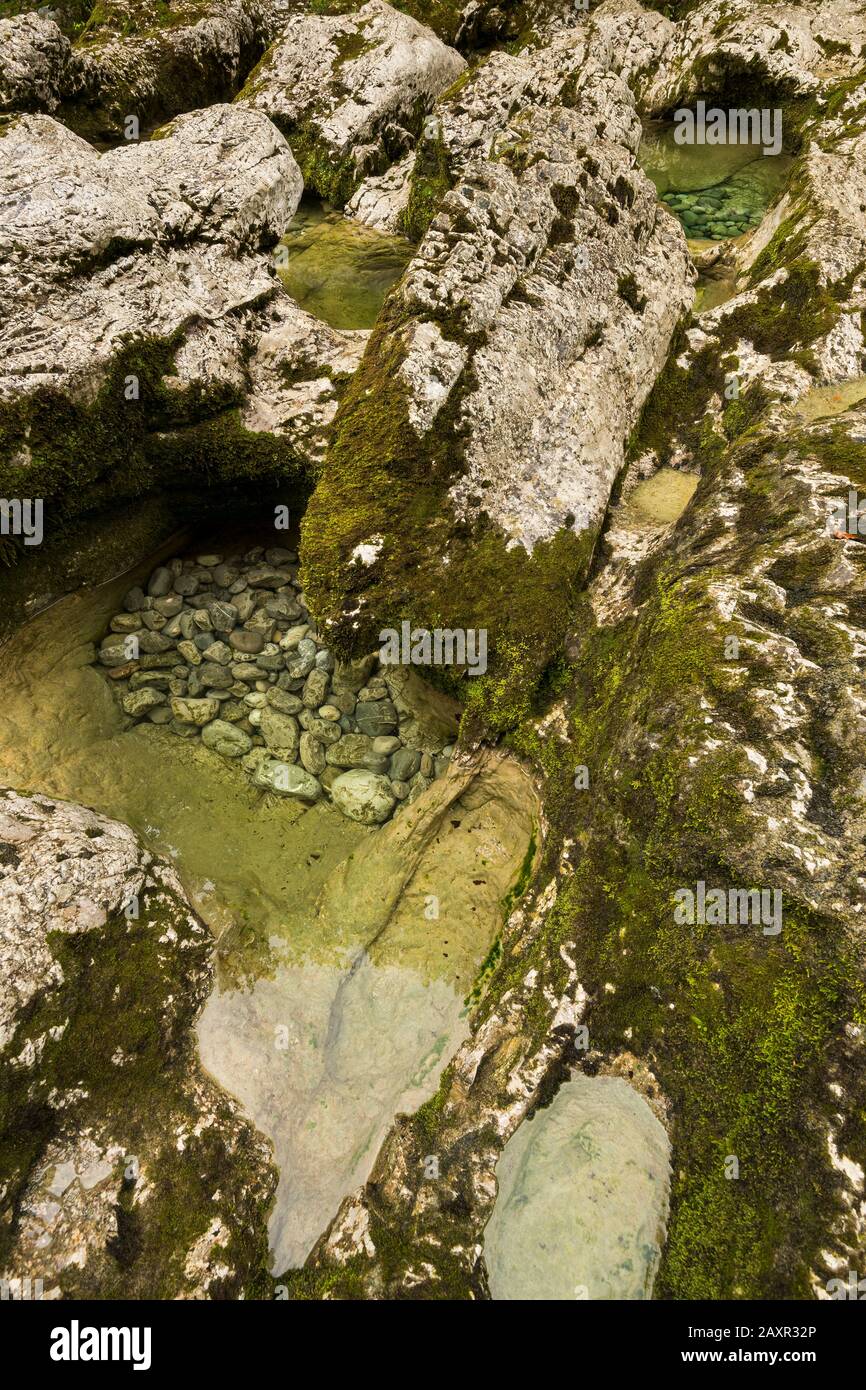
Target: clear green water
{"x": 823, "y": 401}
{"x": 338, "y": 998}
{"x": 338, "y": 269}
{"x": 716, "y": 191}
{"x": 583, "y": 1198}
{"x": 664, "y": 496}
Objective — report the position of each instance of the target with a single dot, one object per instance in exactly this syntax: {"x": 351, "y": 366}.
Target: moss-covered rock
{"x": 124, "y": 1171}
{"x": 349, "y": 91}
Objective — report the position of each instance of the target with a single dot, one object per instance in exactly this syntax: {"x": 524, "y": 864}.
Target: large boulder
{"x": 349, "y": 91}
{"x": 35, "y": 67}
{"x": 127, "y": 1172}
{"x": 518, "y": 351}
{"x": 142, "y": 313}
{"x": 131, "y": 62}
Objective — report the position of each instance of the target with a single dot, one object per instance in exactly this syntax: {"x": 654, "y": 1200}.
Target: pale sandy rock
{"x": 380, "y": 201}
{"x": 352, "y": 86}
{"x": 35, "y": 63}
{"x": 297, "y": 373}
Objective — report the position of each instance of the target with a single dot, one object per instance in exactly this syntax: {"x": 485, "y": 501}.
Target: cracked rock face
{"x": 151, "y": 249}
{"x": 533, "y": 319}
{"x": 35, "y": 63}
{"x": 349, "y": 91}
{"x": 132, "y": 61}
{"x": 110, "y": 1119}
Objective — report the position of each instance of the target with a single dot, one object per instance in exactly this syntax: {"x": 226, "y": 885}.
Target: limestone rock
{"x": 224, "y": 738}
{"x": 348, "y": 90}
{"x": 36, "y": 56}
{"x": 363, "y": 796}
{"x": 82, "y": 1039}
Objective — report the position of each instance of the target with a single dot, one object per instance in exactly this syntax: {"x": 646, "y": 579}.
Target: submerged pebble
{"x": 225, "y": 649}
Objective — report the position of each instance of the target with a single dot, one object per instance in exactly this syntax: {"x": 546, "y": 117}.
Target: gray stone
{"x": 283, "y": 606}
{"x": 134, "y": 600}
{"x": 114, "y": 651}
{"x": 227, "y": 740}
{"x": 153, "y": 621}
{"x": 271, "y": 661}
{"x": 283, "y": 700}
{"x": 157, "y": 679}
{"x": 323, "y": 730}
{"x": 210, "y": 674}
{"x": 154, "y": 642}
{"x": 218, "y": 652}
{"x": 386, "y": 743}
{"x": 376, "y": 717}
{"x": 160, "y": 582}
{"x": 280, "y": 731}
{"x": 245, "y": 671}
{"x": 138, "y": 702}
{"x": 356, "y": 750}
{"x": 169, "y": 606}
{"x": 245, "y": 603}
{"x": 290, "y": 639}
{"x": 404, "y": 764}
{"x": 223, "y": 615}
{"x": 190, "y": 653}
{"x": 286, "y": 779}
{"x": 265, "y": 577}
{"x": 363, "y": 796}
{"x": 196, "y": 712}
{"x": 312, "y": 754}
{"x": 247, "y": 642}
{"x": 315, "y": 689}
{"x": 126, "y": 622}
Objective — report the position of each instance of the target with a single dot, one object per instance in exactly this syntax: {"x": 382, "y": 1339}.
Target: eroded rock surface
{"x": 127, "y": 1172}
{"x": 512, "y": 360}
{"x": 349, "y": 90}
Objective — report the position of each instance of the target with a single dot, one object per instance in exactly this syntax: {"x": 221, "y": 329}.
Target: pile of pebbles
{"x": 226, "y": 650}
{"x": 726, "y": 210}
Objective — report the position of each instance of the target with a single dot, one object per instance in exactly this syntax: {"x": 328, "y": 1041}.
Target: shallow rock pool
{"x": 716, "y": 191}
{"x": 344, "y": 953}
{"x": 583, "y": 1198}
{"x": 339, "y": 270}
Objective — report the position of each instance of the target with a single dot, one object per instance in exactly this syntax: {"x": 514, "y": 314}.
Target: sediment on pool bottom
{"x": 583, "y": 1198}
